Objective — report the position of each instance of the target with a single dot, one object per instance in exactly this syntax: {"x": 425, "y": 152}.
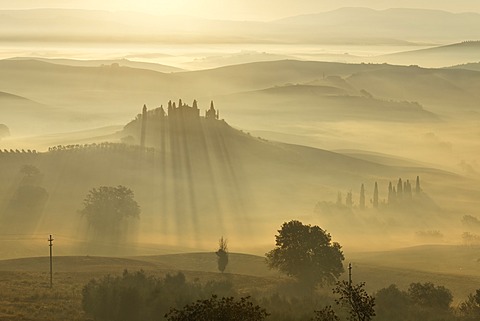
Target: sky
{"x": 240, "y": 9}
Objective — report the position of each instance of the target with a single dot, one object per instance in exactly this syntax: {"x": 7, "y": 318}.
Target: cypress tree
{"x": 390, "y": 193}
{"x": 418, "y": 189}
{"x": 375, "y": 196}
{"x": 362, "y": 197}
{"x": 349, "y": 199}
{"x": 399, "y": 189}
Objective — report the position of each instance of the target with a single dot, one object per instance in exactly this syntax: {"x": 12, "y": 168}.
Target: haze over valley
{"x": 141, "y": 135}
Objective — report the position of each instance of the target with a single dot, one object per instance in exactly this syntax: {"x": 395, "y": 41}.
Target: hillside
{"x": 247, "y": 270}
{"x": 441, "y": 56}
{"x": 111, "y": 94}
{"x": 198, "y": 178}
{"x": 99, "y": 63}
{"x": 475, "y": 66}
{"x": 297, "y": 103}
{"x": 345, "y": 25}
{"x": 446, "y": 90}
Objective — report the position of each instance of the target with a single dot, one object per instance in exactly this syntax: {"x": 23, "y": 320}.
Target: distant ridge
{"x": 99, "y": 63}
{"x": 440, "y": 56}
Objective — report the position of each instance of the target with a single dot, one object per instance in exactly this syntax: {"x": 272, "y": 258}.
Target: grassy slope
{"x": 250, "y": 273}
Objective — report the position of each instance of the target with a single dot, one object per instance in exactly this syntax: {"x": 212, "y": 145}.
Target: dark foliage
{"x": 107, "y": 206}
{"x": 138, "y": 297}
{"x": 392, "y": 304}
{"x": 469, "y": 310}
{"x": 215, "y": 309}
{"x": 306, "y": 253}
{"x": 422, "y": 302}
{"x": 222, "y": 254}
{"x": 354, "y": 298}
{"x": 326, "y": 314}
{"x": 430, "y": 296}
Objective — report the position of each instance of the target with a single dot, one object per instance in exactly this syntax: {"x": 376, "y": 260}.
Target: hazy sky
{"x": 240, "y": 9}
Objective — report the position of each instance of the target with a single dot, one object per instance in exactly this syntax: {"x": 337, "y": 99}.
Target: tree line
{"x": 105, "y": 146}
{"x": 304, "y": 252}
{"x": 400, "y": 193}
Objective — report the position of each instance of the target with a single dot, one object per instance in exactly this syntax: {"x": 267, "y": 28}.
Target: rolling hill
{"x": 205, "y": 178}
{"x": 99, "y": 63}
{"x": 247, "y": 270}
{"x": 110, "y": 94}
{"x": 448, "y": 55}
{"x": 346, "y": 25}
{"x": 297, "y": 103}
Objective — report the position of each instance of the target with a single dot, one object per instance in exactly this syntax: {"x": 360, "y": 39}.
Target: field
{"x": 26, "y": 295}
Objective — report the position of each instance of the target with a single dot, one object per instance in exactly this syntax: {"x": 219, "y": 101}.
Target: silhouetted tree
{"x": 139, "y": 297}
{"x": 326, "y": 314}
{"x": 375, "y": 196}
{"x": 399, "y": 189}
{"x": 362, "y": 197}
{"x": 222, "y": 254}
{"x": 407, "y": 191}
{"x": 306, "y": 253}
{"x": 469, "y": 310}
{"x": 31, "y": 174}
{"x": 339, "y": 199}
{"x": 106, "y": 206}
{"x": 214, "y": 309}
{"x": 390, "y": 193}
{"x": 392, "y": 304}
{"x": 418, "y": 189}
{"x": 359, "y": 304}
{"x": 430, "y": 296}
{"x": 349, "y": 199}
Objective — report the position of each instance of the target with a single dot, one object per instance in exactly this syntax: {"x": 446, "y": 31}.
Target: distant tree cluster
{"x": 27, "y": 203}
{"x": 470, "y": 238}
{"x": 18, "y": 151}
{"x": 422, "y": 301}
{"x": 106, "y": 146}
{"x": 401, "y": 193}
{"x": 138, "y": 297}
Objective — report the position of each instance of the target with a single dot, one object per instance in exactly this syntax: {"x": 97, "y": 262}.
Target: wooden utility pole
{"x": 50, "y": 240}
{"x": 350, "y": 274}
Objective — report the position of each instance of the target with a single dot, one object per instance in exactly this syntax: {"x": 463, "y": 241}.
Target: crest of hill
{"x": 448, "y": 55}
{"x": 462, "y": 259}
{"x": 325, "y": 103}
{"x": 99, "y": 63}
{"x": 473, "y": 66}
{"x": 419, "y": 25}
{"x": 435, "y": 87}
{"x": 125, "y": 83}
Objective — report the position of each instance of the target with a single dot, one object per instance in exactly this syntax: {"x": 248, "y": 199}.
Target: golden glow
{"x": 240, "y": 9}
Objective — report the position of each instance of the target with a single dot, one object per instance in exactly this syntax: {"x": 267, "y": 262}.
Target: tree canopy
{"x": 106, "y": 206}
{"x": 306, "y": 253}
{"x": 214, "y": 309}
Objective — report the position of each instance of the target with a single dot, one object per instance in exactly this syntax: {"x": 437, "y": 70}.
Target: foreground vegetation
{"x": 27, "y": 296}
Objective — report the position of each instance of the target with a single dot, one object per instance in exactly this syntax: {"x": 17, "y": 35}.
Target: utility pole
{"x": 350, "y": 274}
{"x": 50, "y": 240}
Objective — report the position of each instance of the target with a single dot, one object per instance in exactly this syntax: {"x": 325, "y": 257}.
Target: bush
{"x": 214, "y": 309}
{"x": 138, "y": 297}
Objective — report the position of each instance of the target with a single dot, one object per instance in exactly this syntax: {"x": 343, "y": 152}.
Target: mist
{"x": 186, "y": 137}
